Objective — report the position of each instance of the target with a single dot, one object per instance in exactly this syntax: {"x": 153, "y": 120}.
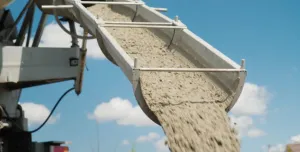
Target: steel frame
{"x": 23, "y": 67}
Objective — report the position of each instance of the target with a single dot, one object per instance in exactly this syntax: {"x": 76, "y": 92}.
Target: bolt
{"x": 176, "y": 18}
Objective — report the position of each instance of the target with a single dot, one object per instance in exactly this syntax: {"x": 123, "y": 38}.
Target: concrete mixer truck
{"x": 23, "y": 65}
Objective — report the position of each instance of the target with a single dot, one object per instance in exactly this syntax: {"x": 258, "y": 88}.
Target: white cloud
{"x": 274, "y": 148}
{"x": 160, "y": 145}
{"x": 295, "y": 139}
{"x": 256, "y": 133}
{"x": 245, "y": 126}
{"x": 253, "y": 100}
{"x": 54, "y": 36}
{"x": 37, "y": 113}
{"x": 148, "y": 138}
{"x": 156, "y": 140}
{"x": 136, "y": 117}
{"x": 281, "y": 147}
{"x": 277, "y": 148}
{"x": 242, "y": 124}
{"x": 121, "y": 111}
{"x": 125, "y": 142}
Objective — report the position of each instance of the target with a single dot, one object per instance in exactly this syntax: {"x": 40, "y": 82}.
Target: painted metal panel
{"x": 19, "y": 64}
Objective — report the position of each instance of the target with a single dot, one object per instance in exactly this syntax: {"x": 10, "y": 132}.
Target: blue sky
{"x": 265, "y": 33}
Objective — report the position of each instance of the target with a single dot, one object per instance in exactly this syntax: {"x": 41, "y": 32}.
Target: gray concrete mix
{"x": 182, "y": 101}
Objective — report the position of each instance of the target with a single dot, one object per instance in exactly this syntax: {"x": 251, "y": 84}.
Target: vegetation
{"x": 133, "y": 148}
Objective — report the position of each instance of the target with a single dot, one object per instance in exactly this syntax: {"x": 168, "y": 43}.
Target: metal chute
{"x": 229, "y": 74}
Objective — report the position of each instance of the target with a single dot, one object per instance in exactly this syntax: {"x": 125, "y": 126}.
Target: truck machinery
{"x": 30, "y": 66}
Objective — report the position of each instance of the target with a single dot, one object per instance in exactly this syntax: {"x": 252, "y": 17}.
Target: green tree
{"x": 133, "y": 148}
{"x": 288, "y": 149}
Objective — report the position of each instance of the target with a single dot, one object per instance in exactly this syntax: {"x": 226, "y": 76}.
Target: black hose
{"x": 37, "y": 129}
{"x": 53, "y": 109}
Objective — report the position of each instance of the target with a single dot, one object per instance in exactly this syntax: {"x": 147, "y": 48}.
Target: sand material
{"x": 189, "y": 105}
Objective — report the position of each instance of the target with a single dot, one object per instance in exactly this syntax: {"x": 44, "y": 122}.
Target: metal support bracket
{"x": 160, "y": 9}
{"x": 136, "y": 74}
{"x": 79, "y": 78}
{"x": 136, "y": 67}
